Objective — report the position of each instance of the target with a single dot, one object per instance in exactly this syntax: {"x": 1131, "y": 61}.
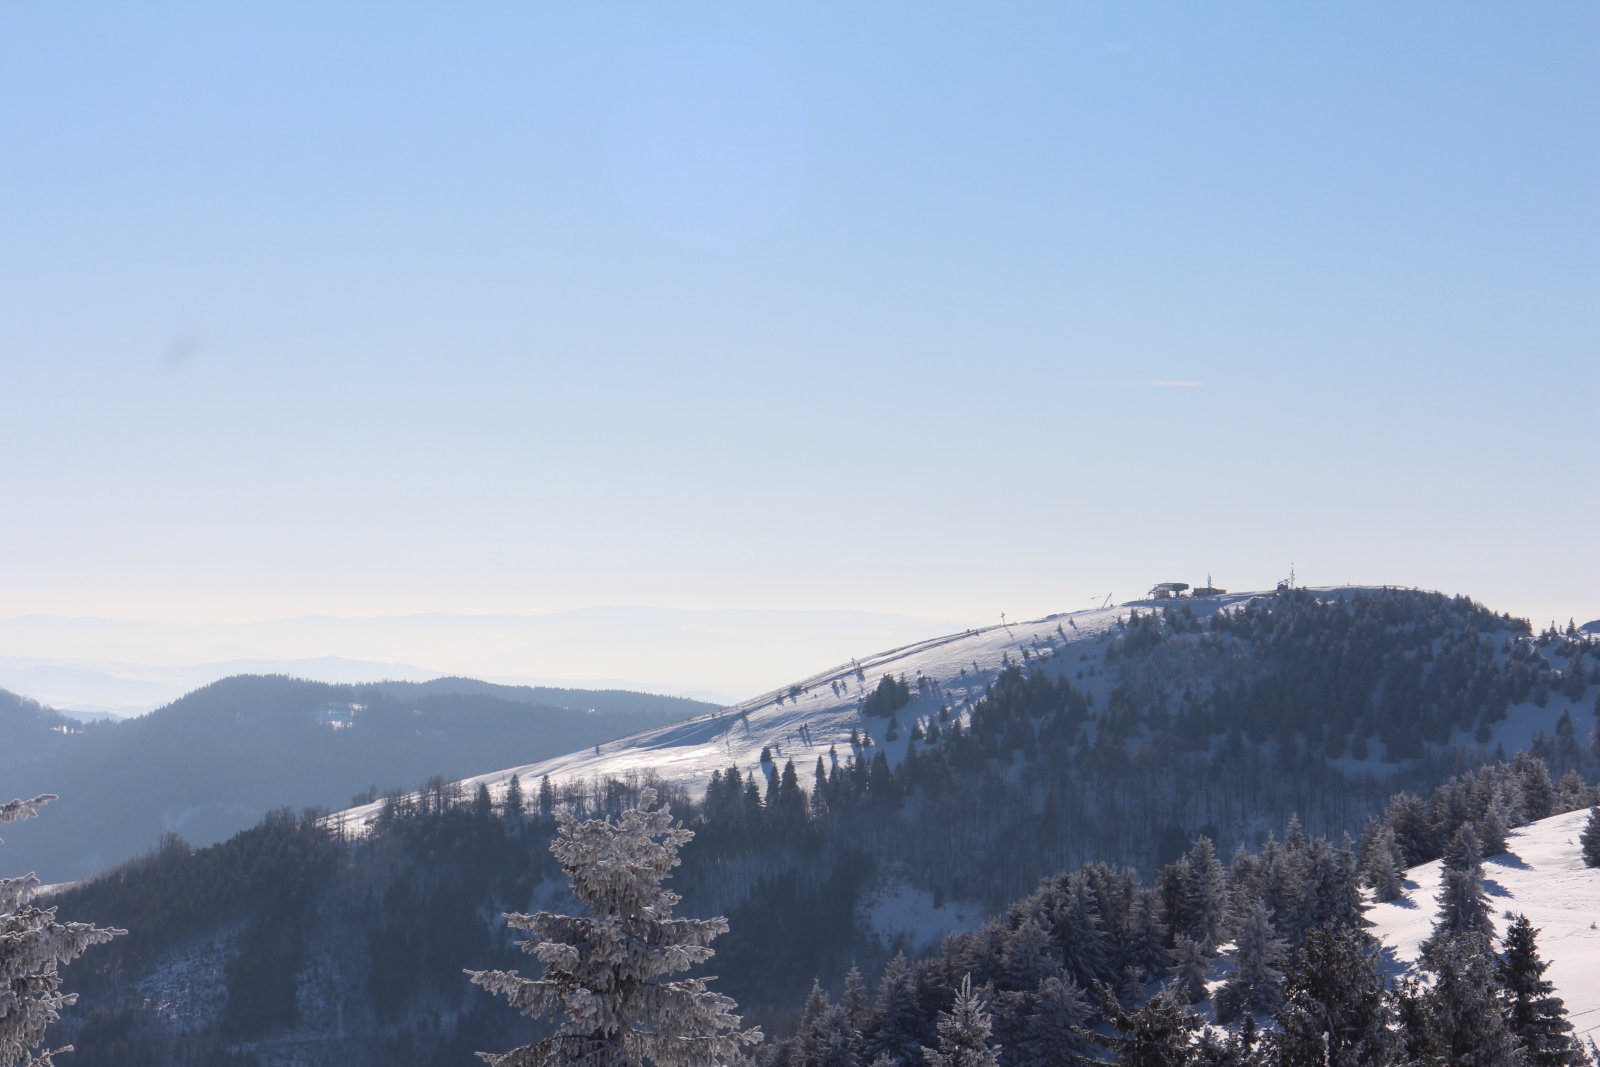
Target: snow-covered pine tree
{"x": 964, "y": 1033}
{"x": 1026, "y": 957}
{"x": 825, "y": 1038}
{"x": 605, "y": 972}
{"x": 1384, "y": 866}
{"x": 1535, "y": 1014}
{"x": 854, "y": 1000}
{"x": 1589, "y": 839}
{"x": 1258, "y": 956}
{"x": 1463, "y": 904}
{"x": 900, "y": 1021}
{"x": 1157, "y": 1035}
{"x": 32, "y": 946}
{"x": 1205, "y": 897}
{"x": 1457, "y": 1019}
{"x": 1190, "y": 964}
{"x": 1494, "y": 827}
{"x": 1336, "y": 1006}
{"x": 1052, "y": 1031}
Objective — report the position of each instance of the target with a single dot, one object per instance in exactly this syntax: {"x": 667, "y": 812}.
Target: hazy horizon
{"x": 129, "y": 666}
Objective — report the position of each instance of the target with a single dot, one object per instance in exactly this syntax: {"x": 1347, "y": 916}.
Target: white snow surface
{"x": 905, "y": 916}
{"x": 1543, "y": 877}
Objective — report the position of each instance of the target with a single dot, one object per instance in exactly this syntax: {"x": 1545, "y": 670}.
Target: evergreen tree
{"x": 1385, "y": 866}
{"x": 1157, "y": 1035}
{"x": 1589, "y": 839}
{"x": 1335, "y": 1011}
{"x": 1026, "y": 958}
{"x": 1494, "y": 827}
{"x": 511, "y": 807}
{"x": 1458, "y": 1020}
{"x": 1463, "y": 904}
{"x": 1536, "y": 1016}
{"x": 1190, "y": 962}
{"x": 825, "y": 1039}
{"x": 964, "y": 1033}
{"x": 898, "y": 1016}
{"x": 605, "y": 971}
{"x": 1205, "y": 895}
{"x": 1052, "y": 1028}
{"x": 857, "y": 1006}
{"x": 1256, "y": 985}
{"x": 32, "y": 946}
{"x": 547, "y": 798}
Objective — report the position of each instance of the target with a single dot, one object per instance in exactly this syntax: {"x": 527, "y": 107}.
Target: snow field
{"x": 1542, "y": 877}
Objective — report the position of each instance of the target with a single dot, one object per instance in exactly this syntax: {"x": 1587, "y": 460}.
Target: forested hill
{"x": 30, "y": 729}
{"x": 1110, "y": 741}
{"x": 218, "y": 759}
{"x": 1486, "y": 956}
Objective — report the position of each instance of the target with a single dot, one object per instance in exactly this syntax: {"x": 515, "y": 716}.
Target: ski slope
{"x": 1543, "y": 877}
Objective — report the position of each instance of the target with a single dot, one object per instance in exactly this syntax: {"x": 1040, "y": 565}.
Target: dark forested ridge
{"x": 218, "y": 759}
{"x": 1299, "y": 716}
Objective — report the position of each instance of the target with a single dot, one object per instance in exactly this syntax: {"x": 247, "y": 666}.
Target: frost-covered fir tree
{"x": 606, "y": 972}
{"x": 1457, "y": 1019}
{"x": 1463, "y": 904}
{"x": 1589, "y": 839}
{"x": 964, "y": 1033}
{"x": 1205, "y": 895}
{"x": 1052, "y": 1031}
{"x": 1535, "y": 1014}
{"x": 1190, "y": 964}
{"x": 825, "y": 1038}
{"x": 32, "y": 946}
{"x": 1159, "y": 1034}
{"x": 1384, "y": 866}
{"x": 899, "y": 1017}
{"x": 1258, "y": 955}
{"x": 1336, "y": 1005}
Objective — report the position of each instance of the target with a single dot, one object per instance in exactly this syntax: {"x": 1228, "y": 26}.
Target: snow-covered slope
{"x": 828, "y": 706}
{"x": 804, "y": 720}
{"x": 1542, "y": 877}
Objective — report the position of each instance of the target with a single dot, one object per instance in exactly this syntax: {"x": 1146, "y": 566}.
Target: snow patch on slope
{"x": 1543, "y": 877}
{"x": 906, "y": 917}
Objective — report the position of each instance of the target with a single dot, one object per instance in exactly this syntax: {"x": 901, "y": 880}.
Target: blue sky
{"x": 364, "y": 309}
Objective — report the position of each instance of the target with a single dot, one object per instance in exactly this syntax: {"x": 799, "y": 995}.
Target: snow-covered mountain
{"x": 822, "y": 711}
{"x": 1542, "y": 876}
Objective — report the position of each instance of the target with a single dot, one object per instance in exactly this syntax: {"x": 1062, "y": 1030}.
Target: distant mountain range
{"x": 128, "y": 667}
